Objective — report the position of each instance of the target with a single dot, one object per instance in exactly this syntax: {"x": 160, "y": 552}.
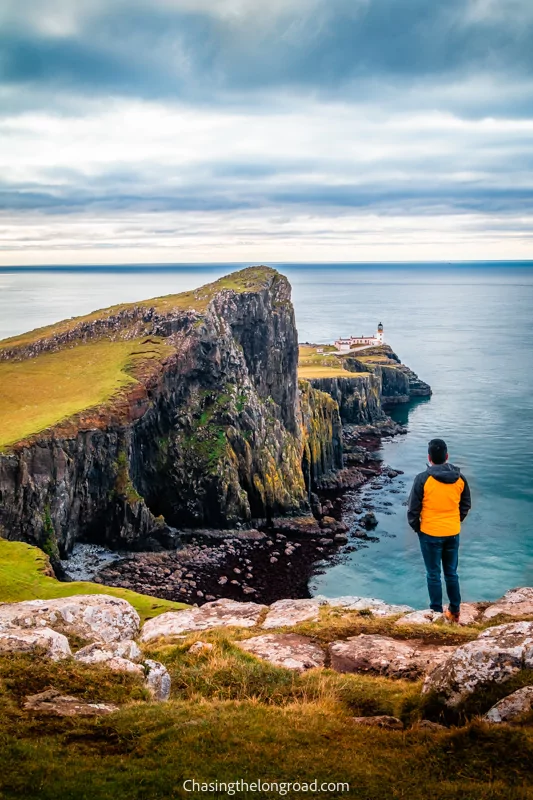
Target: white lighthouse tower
{"x": 379, "y": 335}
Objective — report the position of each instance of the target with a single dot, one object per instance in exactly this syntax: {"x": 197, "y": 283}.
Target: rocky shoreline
{"x": 266, "y": 563}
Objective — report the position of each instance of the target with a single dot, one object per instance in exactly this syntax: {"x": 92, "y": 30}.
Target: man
{"x": 438, "y": 503}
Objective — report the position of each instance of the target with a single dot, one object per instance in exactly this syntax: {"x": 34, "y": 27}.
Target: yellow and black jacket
{"x": 439, "y": 501}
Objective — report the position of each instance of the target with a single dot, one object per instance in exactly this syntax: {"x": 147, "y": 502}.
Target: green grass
{"x": 40, "y": 392}
{"x": 305, "y": 732}
{"x": 23, "y": 577}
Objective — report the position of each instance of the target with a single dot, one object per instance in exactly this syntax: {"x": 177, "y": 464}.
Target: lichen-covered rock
{"x": 157, "y": 680}
{"x": 512, "y": 707}
{"x": 289, "y": 650}
{"x": 54, "y": 703}
{"x": 373, "y": 604}
{"x": 118, "y": 664}
{"x": 215, "y": 614}
{"x": 291, "y": 612}
{"x": 381, "y": 721}
{"x": 425, "y": 617}
{"x": 495, "y": 656}
{"x": 514, "y": 603}
{"x": 200, "y": 647}
{"x": 383, "y": 655}
{"x": 19, "y": 640}
{"x": 97, "y": 653}
{"x": 96, "y": 617}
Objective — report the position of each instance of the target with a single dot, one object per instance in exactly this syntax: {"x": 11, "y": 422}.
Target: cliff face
{"x": 210, "y": 435}
{"x": 358, "y": 398}
{"x": 381, "y": 381}
{"x": 322, "y": 434}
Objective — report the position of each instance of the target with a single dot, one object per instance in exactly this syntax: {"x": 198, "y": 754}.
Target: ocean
{"x": 466, "y": 329}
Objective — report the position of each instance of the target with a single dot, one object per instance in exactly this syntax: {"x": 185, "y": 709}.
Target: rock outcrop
{"x": 95, "y": 617}
{"x": 514, "y": 603}
{"x": 53, "y": 703}
{"x": 216, "y": 613}
{"x": 512, "y": 707}
{"x": 289, "y": 650}
{"x": 18, "y": 640}
{"x": 494, "y": 657}
{"x": 383, "y": 655}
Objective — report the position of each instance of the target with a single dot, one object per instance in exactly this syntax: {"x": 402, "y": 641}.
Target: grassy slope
{"x": 232, "y": 716}
{"x": 42, "y": 391}
{"x": 39, "y": 392}
{"x": 22, "y": 577}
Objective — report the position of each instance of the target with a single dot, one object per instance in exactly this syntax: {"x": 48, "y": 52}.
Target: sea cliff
{"x": 181, "y": 412}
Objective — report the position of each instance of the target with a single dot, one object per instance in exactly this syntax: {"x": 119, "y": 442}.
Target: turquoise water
{"x": 467, "y": 330}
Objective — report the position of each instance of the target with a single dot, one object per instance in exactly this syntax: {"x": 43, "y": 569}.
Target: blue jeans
{"x": 444, "y": 550}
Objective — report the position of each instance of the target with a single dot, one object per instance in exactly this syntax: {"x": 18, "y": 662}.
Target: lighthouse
{"x": 379, "y": 335}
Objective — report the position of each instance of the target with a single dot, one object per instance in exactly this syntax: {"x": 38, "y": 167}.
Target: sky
{"x": 162, "y": 131}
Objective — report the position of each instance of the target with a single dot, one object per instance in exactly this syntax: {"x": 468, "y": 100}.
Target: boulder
{"x": 291, "y": 612}
{"x": 119, "y": 664}
{"x": 289, "y": 650}
{"x": 18, "y": 640}
{"x": 200, "y": 647}
{"x": 470, "y": 613}
{"x": 514, "y": 603}
{"x": 53, "y": 702}
{"x": 428, "y": 725}
{"x": 495, "y": 656}
{"x": 354, "y": 603}
{"x": 96, "y": 617}
{"x": 216, "y": 614}
{"x": 382, "y": 655}
{"x": 97, "y": 653}
{"x": 157, "y": 680}
{"x": 382, "y": 721}
{"x": 511, "y": 707}
{"x": 425, "y": 617}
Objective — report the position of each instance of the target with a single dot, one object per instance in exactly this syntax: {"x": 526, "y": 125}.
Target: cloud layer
{"x": 228, "y": 129}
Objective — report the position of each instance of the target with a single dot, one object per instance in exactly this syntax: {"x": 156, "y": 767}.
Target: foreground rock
{"x": 354, "y": 603}
{"x": 289, "y": 650}
{"x": 157, "y": 680}
{"x": 512, "y": 707}
{"x": 95, "y": 617}
{"x": 97, "y": 653}
{"x": 215, "y": 614}
{"x": 470, "y": 613}
{"x": 514, "y": 603}
{"x": 291, "y": 612}
{"x": 425, "y": 617}
{"x": 382, "y": 655}
{"x": 495, "y": 656}
{"x": 54, "y": 703}
{"x": 54, "y": 645}
{"x": 382, "y": 721}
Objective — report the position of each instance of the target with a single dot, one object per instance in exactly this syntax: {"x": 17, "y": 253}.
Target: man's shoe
{"x": 449, "y": 616}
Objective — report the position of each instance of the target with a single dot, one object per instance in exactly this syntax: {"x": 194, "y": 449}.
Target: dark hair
{"x": 437, "y": 451}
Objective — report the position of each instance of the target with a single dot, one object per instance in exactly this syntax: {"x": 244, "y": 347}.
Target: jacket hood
{"x": 445, "y": 473}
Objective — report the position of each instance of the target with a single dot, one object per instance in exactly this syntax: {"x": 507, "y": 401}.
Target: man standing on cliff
{"x": 438, "y": 503}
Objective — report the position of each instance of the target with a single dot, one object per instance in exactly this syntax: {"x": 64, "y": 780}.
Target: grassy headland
{"x": 246, "y": 280}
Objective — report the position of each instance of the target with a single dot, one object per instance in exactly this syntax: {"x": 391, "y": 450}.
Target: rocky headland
{"x": 221, "y": 461}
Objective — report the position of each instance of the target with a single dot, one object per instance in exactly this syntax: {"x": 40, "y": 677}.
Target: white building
{"x": 358, "y": 341}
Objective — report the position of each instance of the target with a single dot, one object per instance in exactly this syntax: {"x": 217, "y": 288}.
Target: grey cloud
{"x": 341, "y": 47}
